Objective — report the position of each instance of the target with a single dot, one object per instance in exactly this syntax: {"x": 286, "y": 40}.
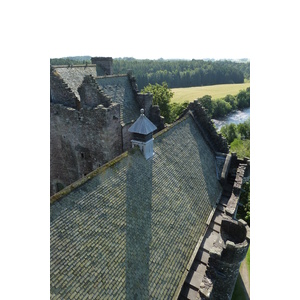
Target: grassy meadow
{"x": 215, "y": 91}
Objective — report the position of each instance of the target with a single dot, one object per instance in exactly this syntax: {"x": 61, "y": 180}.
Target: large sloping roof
{"x": 119, "y": 88}
{"x": 73, "y": 75}
{"x": 130, "y": 231}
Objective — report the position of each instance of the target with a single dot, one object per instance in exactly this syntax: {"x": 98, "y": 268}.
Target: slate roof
{"x": 130, "y": 231}
{"x": 73, "y": 75}
{"x": 119, "y": 88}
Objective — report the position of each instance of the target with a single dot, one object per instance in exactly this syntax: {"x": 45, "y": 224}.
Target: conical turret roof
{"x": 142, "y": 125}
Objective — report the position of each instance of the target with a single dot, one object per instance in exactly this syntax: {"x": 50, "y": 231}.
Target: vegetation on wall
{"x": 162, "y": 97}
{"x": 238, "y": 136}
{"x": 244, "y": 211}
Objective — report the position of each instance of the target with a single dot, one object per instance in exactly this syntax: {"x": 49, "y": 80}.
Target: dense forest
{"x": 176, "y": 73}
{"x": 183, "y": 73}
{"x": 72, "y": 60}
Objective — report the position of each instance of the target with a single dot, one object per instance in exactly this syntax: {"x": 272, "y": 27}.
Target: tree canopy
{"x": 183, "y": 73}
{"x": 221, "y": 107}
{"x": 162, "y": 97}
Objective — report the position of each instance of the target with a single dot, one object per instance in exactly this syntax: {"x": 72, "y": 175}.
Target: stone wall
{"x": 104, "y": 65}
{"x": 156, "y": 118}
{"x": 81, "y": 141}
{"x": 225, "y": 258}
{"x": 145, "y": 101}
{"x": 127, "y": 137}
{"x": 91, "y": 95}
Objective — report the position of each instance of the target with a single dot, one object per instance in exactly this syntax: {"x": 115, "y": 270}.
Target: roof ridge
{"x": 112, "y": 76}
{"x": 73, "y": 66}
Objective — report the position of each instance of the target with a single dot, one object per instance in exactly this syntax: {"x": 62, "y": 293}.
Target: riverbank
{"x": 236, "y": 117}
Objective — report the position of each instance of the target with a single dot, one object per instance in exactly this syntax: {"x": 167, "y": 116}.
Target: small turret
{"x": 142, "y": 130}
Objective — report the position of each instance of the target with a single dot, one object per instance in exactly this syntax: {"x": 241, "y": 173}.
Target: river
{"x": 235, "y": 117}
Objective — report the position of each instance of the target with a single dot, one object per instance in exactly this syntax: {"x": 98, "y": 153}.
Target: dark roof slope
{"x": 120, "y": 90}
{"x": 73, "y": 75}
{"x": 130, "y": 231}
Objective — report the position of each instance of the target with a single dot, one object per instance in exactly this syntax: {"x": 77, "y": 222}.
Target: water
{"x": 236, "y": 117}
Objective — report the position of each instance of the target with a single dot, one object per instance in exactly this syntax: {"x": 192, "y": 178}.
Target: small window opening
{"x": 82, "y": 155}
{"x": 59, "y": 187}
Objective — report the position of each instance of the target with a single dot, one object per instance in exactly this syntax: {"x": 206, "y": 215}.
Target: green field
{"x": 215, "y": 91}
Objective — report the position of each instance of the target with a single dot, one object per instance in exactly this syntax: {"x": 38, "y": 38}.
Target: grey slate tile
{"x": 138, "y": 223}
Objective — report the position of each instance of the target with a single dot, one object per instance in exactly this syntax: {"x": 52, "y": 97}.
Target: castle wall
{"x": 127, "y": 137}
{"x": 81, "y": 141}
{"x": 226, "y": 257}
{"x": 91, "y": 95}
{"x": 104, "y": 65}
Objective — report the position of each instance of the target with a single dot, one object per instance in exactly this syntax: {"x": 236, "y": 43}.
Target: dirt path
{"x": 245, "y": 277}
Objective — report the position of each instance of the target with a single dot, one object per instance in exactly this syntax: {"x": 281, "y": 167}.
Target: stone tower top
{"x": 104, "y": 65}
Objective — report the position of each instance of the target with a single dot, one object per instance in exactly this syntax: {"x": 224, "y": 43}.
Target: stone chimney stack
{"x": 142, "y": 130}
{"x": 104, "y": 65}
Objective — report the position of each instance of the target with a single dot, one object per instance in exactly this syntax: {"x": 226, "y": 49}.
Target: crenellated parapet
{"x": 226, "y": 255}
{"x": 60, "y": 92}
{"x": 91, "y": 94}
{"x": 215, "y": 139}
{"x": 232, "y": 206}
{"x": 133, "y": 83}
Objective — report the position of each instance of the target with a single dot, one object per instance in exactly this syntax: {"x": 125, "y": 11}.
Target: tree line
{"x": 221, "y": 107}
{"x": 176, "y": 73}
{"x": 73, "y": 60}
{"x": 183, "y": 73}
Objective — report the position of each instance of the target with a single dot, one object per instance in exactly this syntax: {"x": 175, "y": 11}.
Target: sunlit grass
{"x": 215, "y": 91}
